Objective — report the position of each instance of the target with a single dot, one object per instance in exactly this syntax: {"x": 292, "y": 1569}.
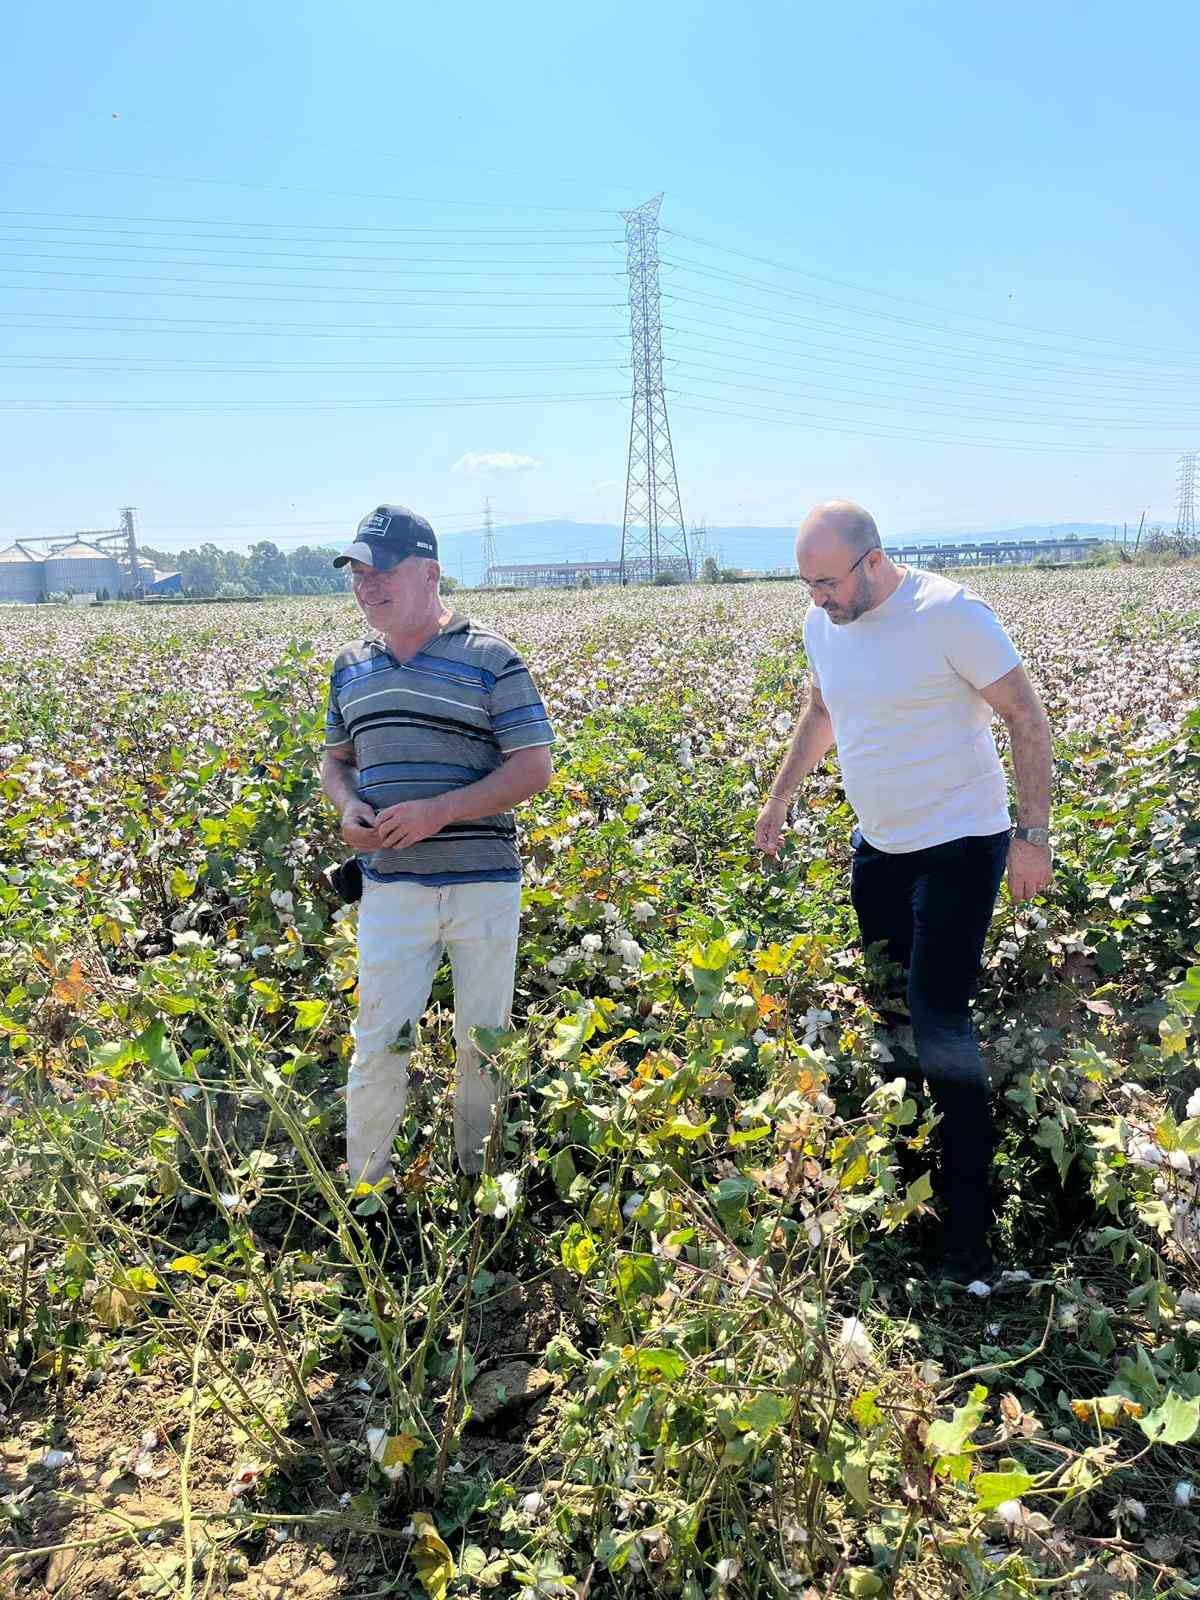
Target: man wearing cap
{"x": 434, "y": 732}
{"x": 908, "y": 669}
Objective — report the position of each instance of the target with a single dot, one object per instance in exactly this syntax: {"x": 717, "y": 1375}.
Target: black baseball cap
{"x": 386, "y": 536}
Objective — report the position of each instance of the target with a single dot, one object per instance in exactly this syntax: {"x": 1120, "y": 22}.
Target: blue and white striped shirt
{"x": 443, "y": 718}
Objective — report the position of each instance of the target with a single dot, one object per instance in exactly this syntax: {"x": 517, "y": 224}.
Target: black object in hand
{"x": 346, "y": 880}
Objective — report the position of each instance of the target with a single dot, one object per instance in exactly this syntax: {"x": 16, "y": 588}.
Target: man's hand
{"x": 1030, "y": 869}
{"x": 410, "y": 822}
{"x": 358, "y": 825}
{"x": 768, "y": 830}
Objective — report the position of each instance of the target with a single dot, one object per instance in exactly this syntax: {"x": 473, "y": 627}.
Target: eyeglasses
{"x": 828, "y": 585}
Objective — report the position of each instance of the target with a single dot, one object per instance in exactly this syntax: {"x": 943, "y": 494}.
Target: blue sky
{"x": 265, "y": 266}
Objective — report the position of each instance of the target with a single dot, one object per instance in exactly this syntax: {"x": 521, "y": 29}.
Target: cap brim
{"x": 361, "y": 551}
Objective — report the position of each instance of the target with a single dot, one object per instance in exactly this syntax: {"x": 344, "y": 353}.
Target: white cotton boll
{"x": 782, "y": 724}
{"x": 630, "y": 952}
{"x": 557, "y": 965}
{"x": 1145, "y": 1153}
{"x": 1192, "y": 1109}
{"x": 641, "y": 911}
{"x": 633, "y": 1202}
{"x": 1010, "y": 1513}
{"x": 591, "y": 943}
{"x": 979, "y": 1289}
{"x": 1183, "y": 1493}
{"x": 531, "y": 1504}
{"x": 854, "y": 1342}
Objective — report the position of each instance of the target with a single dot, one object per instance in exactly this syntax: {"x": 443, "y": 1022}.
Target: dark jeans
{"x": 931, "y": 909}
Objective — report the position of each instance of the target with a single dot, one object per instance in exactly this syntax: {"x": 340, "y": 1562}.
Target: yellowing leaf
{"x": 192, "y": 1265}
{"x": 431, "y": 1557}
{"x": 72, "y": 986}
{"x": 1106, "y": 1410}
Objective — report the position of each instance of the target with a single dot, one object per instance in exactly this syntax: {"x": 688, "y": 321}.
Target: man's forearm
{"x": 517, "y": 779}
{"x": 339, "y": 782}
{"x": 1029, "y": 736}
{"x": 811, "y": 743}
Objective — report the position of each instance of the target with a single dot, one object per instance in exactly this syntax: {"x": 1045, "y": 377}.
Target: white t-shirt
{"x": 913, "y": 733}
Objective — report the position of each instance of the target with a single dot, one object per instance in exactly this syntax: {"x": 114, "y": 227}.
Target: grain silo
{"x": 22, "y": 575}
{"x": 82, "y": 568}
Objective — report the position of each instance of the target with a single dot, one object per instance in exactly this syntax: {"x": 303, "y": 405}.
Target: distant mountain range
{"x": 757, "y": 548}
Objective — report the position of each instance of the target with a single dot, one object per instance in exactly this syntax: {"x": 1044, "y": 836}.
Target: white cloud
{"x": 477, "y": 462}
{"x": 604, "y": 486}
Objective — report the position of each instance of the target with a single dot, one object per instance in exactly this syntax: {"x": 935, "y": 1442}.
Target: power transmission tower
{"x": 1185, "y": 516}
{"x": 131, "y": 550}
{"x": 653, "y": 537}
{"x": 489, "y": 546}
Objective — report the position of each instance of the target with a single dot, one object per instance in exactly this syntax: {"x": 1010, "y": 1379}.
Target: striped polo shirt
{"x": 442, "y": 719}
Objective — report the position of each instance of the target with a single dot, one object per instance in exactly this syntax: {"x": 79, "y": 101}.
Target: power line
{"x": 316, "y": 227}
{"x": 133, "y": 406}
{"x": 908, "y": 300}
{"x": 812, "y": 421}
{"x": 757, "y": 314}
{"x": 292, "y": 188}
{"x": 759, "y": 287}
{"x": 955, "y": 410}
{"x": 303, "y": 299}
{"x": 1004, "y": 362}
{"x": 946, "y": 380}
{"x": 434, "y": 267}
{"x": 314, "y": 330}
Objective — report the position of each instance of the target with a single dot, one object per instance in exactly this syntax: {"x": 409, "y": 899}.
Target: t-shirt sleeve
{"x": 976, "y": 644}
{"x": 519, "y": 718}
{"x": 335, "y": 728}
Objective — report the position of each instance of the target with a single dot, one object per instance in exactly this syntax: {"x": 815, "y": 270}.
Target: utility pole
{"x": 129, "y": 528}
{"x": 653, "y": 537}
{"x": 1185, "y": 515}
{"x": 490, "y": 561}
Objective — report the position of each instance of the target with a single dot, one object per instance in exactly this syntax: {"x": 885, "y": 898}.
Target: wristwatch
{"x": 1035, "y": 836}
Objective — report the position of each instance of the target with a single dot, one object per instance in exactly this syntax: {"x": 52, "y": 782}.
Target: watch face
{"x": 1038, "y": 836}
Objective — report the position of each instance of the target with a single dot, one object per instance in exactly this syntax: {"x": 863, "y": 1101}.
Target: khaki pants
{"x": 403, "y": 929}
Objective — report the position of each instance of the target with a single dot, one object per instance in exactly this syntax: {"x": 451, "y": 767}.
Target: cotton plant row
{"x": 712, "y": 1130}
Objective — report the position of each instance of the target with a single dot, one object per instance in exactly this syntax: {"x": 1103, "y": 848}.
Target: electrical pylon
{"x": 1185, "y": 516}
{"x": 653, "y": 536}
{"x": 489, "y": 546}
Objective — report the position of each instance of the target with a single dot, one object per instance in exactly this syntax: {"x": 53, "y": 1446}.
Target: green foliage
{"x": 712, "y": 1173}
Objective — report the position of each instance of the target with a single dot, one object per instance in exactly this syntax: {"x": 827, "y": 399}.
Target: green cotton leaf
{"x": 309, "y": 1013}
{"x": 570, "y": 1035}
{"x": 950, "y": 1438}
{"x": 730, "y": 1196}
{"x": 750, "y": 1135}
{"x": 1173, "y": 1422}
{"x": 660, "y": 1362}
{"x": 856, "y": 1477}
{"x": 156, "y": 1049}
{"x": 1050, "y": 1137}
{"x": 638, "y": 1275}
{"x": 992, "y": 1489}
{"x": 578, "y": 1250}
{"x": 764, "y": 1413}
{"x": 683, "y": 1128}
{"x": 1186, "y": 995}
{"x": 182, "y": 887}
{"x": 563, "y": 1172}
{"x": 864, "y": 1409}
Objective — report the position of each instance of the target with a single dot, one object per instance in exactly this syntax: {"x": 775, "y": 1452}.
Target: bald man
{"x": 908, "y": 669}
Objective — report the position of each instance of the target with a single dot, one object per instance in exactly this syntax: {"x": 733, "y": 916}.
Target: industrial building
{"x": 75, "y": 568}
{"x": 579, "y": 574}
{"x": 103, "y": 561}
